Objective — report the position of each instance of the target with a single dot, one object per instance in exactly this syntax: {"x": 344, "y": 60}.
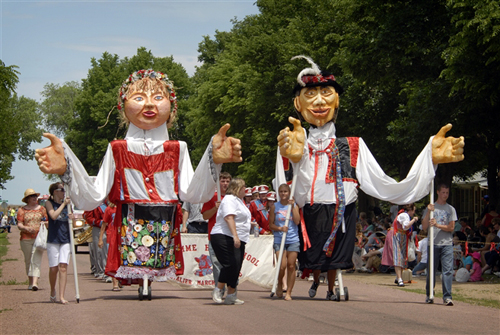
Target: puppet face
{"x": 317, "y": 105}
{"x": 147, "y": 109}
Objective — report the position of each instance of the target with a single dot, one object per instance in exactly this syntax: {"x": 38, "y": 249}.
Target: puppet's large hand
{"x": 447, "y": 149}
{"x": 226, "y": 149}
{"x": 291, "y": 142}
{"x": 51, "y": 159}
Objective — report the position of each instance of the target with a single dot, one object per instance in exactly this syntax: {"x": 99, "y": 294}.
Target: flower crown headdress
{"x": 147, "y": 74}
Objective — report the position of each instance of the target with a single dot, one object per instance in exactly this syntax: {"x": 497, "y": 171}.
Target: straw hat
{"x": 29, "y": 192}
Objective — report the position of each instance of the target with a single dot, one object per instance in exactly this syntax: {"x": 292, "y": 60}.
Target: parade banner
{"x": 258, "y": 263}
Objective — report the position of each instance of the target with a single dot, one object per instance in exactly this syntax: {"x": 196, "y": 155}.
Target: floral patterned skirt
{"x": 148, "y": 244}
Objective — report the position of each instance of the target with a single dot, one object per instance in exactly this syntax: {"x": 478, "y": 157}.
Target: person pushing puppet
{"x": 329, "y": 170}
{"x": 145, "y": 175}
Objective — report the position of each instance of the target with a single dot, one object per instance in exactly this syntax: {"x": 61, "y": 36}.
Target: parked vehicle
{"x": 82, "y": 232}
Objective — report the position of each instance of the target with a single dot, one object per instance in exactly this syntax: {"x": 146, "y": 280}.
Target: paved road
{"x": 371, "y": 309}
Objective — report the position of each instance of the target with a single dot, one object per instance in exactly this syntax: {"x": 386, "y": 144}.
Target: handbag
{"x": 41, "y": 238}
{"x": 411, "y": 250}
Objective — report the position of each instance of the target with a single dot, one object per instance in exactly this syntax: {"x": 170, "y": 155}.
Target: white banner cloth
{"x": 258, "y": 263}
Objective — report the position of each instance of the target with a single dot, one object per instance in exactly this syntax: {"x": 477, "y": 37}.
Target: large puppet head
{"x": 147, "y": 99}
{"x": 316, "y": 95}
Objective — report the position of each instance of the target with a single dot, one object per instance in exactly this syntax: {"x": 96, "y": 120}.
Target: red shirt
{"x": 208, "y": 206}
{"x": 94, "y": 217}
{"x": 260, "y": 214}
{"x": 109, "y": 216}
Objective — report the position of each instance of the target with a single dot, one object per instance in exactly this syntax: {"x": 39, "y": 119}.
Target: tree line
{"x": 408, "y": 68}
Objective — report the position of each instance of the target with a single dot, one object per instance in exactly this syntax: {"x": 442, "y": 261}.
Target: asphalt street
{"x": 371, "y": 309}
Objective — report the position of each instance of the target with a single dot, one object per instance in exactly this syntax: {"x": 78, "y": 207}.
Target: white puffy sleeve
{"x": 404, "y": 220}
{"x": 199, "y": 186}
{"x": 375, "y": 182}
{"x": 85, "y": 193}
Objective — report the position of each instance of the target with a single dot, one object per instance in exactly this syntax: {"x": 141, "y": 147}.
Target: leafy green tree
{"x": 97, "y": 123}
{"x": 472, "y": 62}
{"x": 20, "y": 119}
{"x": 58, "y": 107}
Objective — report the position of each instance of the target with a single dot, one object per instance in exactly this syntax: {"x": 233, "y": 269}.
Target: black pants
{"x": 229, "y": 257}
{"x": 196, "y": 227}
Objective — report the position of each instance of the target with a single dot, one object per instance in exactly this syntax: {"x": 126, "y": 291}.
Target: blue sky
{"x": 54, "y": 41}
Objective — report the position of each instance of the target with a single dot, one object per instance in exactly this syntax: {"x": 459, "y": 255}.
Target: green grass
{"x": 458, "y": 297}
{"x": 14, "y": 282}
{"x": 3, "y": 248}
{"x": 5, "y": 310}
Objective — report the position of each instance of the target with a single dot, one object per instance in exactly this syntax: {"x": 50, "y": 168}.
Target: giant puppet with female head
{"x": 145, "y": 175}
{"x": 329, "y": 170}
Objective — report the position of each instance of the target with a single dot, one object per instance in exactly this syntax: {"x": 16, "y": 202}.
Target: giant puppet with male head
{"x": 329, "y": 170}
{"x": 145, "y": 175}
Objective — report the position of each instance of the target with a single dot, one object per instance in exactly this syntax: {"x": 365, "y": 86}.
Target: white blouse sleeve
{"x": 404, "y": 220}
{"x": 85, "y": 193}
{"x": 376, "y": 183}
{"x": 197, "y": 187}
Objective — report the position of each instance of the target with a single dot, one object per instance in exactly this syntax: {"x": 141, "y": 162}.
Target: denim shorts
{"x": 288, "y": 247}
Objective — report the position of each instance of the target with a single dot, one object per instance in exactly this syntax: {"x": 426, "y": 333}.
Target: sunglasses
{"x": 60, "y": 189}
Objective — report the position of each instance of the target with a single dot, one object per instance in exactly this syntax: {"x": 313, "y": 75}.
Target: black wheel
{"x": 149, "y": 293}
{"x": 337, "y": 294}
{"x": 141, "y": 294}
{"x": 346, "y": 294}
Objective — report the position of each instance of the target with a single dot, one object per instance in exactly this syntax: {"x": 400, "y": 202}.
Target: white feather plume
{"x": 313, "y": 70}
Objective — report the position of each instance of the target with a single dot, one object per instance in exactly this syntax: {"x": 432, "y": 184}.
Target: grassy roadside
{"x": 3, "y": 249}
{"x": 485, "y": 293}
{"x": 4, "y": 242}
{"x": 459, "y": 296}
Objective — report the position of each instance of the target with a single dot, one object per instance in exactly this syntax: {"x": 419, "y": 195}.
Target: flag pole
{"x": 72, "y": 242}
{"x": 283, "y": 238}
{"x": 431, "y": 247}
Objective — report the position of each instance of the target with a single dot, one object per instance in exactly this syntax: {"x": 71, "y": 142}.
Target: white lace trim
{"x": 129, "y": 272}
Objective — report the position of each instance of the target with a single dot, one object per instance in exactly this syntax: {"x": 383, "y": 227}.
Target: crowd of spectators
{"x": 475, "y": 245}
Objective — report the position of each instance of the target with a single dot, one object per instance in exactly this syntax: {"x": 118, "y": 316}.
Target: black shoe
{"x": 313, "y": 289}
{"x": 331, "y": 296}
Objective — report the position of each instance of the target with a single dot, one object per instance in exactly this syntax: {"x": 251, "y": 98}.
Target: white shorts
{"x": 58, "y": 253}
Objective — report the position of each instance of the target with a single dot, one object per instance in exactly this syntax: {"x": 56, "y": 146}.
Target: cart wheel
{"x": 346, "y": 294}
{"x": 149, "y": 293}
{"x": 141, "y": 295}
{"x": 337, "y": 294}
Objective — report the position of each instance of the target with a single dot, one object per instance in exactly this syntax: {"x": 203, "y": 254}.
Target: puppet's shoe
{"x": 313, "y": 289}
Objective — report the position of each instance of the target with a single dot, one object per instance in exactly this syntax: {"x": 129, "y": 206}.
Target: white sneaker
{"x": 217, "y": 295}
{"x": 487, "y": 272}
{"x": 497, "y": 273}
{"x": 231, "y": 299}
